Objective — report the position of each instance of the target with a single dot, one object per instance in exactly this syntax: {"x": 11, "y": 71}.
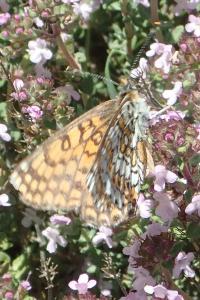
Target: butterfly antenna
{"x": 142, "y": 50}
{"x": 93, "y": 75}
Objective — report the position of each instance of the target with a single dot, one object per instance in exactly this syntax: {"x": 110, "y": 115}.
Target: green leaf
{"x": 3, "y": 110}
{"x": 193, "y": 231}
{"x": 177, "y": 33}
{"x": 195, "y": 160}
{"x": 50, "y": 124}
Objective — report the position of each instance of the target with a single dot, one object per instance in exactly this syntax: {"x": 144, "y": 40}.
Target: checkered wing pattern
{"x": 93, "y": 166}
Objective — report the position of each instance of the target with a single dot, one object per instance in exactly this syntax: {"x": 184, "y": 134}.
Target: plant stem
{"x": 69, "y": 58}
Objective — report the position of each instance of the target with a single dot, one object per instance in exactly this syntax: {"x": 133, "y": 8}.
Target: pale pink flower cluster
{"x": 185, "y": 5}
{"x": 83, "y": 284}
{"x": 165, "y": 208}
{"x": 34, "y": 111}
{"x": 4, "y": 135}
{"x": 194, "y": 206}
{"x": 54, "y": 238}
{"x": 165, "y": 53}
{"x": 38, "y": 51}
{"x": 161, "y": 292}
{"x": 104, "y": 235}
{"x": 193, "y": 26}
{"x": 182, "y": 263}
{"x": 173, "y": 94}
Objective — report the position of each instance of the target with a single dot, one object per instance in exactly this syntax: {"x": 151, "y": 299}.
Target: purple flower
{"x": 4, "y": 18}
{"x": 186, "y": 5}
{"x": 85, "y": 9}
{"x": 54, "y": 238}
{"x": 193, "y": 26}
{"x": 25, "y": 284}
{"x": 169, "y": 116}
{"x": 182, "y": 263}
{"x": 42, "y": 71}
{"x": 83, "y": 284}
{"x": 194, "y": 205}
{"x": 4, "y": 200}
{"x": 154, "y": 229}
{"x": 167, "y": 210}
{"x": 141, "y": 295}
{"x": 140, "y": 72}
{"x": 30, "y": 217}
{"x": 9, "y": 295}
{"x": 4, "y": 5}
{"x": 144, "y": 206}
{"x": 68, "y": 92}
{"x": 142, "y": 277}
{"x": 165, "y": 56}
{"x": 60, "y": 220}
{"x": 159, "y": 291}
{"x": 38, "y": 51}
{"x": 103, "y": 235}
{"x": 34, "y": 112}
{"x": 3, "y": 133}
{"x": 172, "y": 95}
{"x": 162, "y": 175}
{"x": 133, "y": 250}
{"x": 20, "y": 94}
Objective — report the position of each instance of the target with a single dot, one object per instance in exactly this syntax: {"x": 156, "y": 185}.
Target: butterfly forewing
{"x": 93, "y": 166}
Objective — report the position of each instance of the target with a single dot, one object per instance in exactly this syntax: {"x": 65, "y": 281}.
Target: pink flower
{"x": 167, "y": 210}
{"x": 133, "y": 250}
{"x": 170, "y": 115}
{"x": 60, "y": 220}
{"x": 42, "y": 71}
{"x": 159, "y": 291}
{"x": 193, "y": 26}
{"x": 142, "y": 277}
{"x": 162, "y": 175}
{"x": 172, "y": 95}
{"x": 4, "y": 5}
{"x": 54, "y": 238}
{"x": 4, "y": 200}
{"x": 182, "y": 263}
{"x": 34, "y": 112}
{"x": 20, "y": 93}
{"x": 85, "y": 9}
{"x": 135, "y": 296}
{"x": 186, "y": 5}
{"x": 7, "y": 277}
{"x": 68, "y": 92}
{"x": 25, "y": 284}
{"x": 140, "y": 72}
{"x": 9, "y": 295}
{"x": 142, "y": 2}
{"x": 30, "y": 217}
{"x": 154, "y": 229}
{"x": 104, "y": 234}
{"x": 3, "y": 133}
{"x": 83, "y": 284}
{"x": 144, "y": 206}
{"x": 194, "y": 205}
{"x": 4, "y": 18}
{"x": 38, "y": 51}
{"x": 165, "y": 56}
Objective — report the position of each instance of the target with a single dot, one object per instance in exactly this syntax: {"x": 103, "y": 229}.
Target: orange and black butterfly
{"x": 94, "y": 166}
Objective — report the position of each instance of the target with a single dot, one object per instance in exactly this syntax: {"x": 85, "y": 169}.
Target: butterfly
{"x": 94, "y": 166}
